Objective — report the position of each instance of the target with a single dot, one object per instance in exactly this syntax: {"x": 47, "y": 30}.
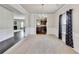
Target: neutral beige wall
{"x": 50, "y": 20}
{"x": 50, "y": 24}
{"x": 26, "y": 21}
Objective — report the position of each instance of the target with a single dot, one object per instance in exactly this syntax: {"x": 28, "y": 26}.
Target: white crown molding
{"x": 15, "y": 8}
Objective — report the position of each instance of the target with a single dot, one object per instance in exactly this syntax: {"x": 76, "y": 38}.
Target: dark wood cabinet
{"x": 41, "y": 26}
{"x": 41, "y": 30}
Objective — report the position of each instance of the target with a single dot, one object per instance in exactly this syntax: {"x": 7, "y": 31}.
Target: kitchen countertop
{"x": 17, "y": 30}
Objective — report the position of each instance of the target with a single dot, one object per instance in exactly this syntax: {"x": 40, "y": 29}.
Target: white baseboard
{"x": 5, "y": 34}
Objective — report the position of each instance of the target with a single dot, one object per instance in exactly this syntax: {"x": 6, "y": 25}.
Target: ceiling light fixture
{"x": 43, "y": 15}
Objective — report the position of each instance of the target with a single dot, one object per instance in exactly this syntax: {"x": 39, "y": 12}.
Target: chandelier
{"x": 43, "y": 14}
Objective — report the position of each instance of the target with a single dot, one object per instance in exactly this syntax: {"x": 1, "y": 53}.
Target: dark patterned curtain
{"x": 69, "y": 34}
{"x": 60, "y": 27}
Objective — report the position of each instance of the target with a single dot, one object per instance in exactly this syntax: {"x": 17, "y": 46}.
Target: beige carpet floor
{"x": 40, "y": 44}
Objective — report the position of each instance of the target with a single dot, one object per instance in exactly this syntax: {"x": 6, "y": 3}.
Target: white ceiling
{"x": 38, "y": 8}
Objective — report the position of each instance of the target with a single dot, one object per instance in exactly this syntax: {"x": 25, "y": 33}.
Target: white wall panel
{"x": 6, "y": 24}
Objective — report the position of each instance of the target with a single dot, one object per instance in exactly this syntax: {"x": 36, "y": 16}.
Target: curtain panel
{"x": 69, "y": 34}
{"x": 60, "y": 27}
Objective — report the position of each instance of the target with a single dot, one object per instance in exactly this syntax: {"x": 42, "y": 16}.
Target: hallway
{"x": 40, "y": 44}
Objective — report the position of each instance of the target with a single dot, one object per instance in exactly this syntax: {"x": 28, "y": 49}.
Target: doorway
{"x": 19, "y": 30}
{"x": 41, "y": 27}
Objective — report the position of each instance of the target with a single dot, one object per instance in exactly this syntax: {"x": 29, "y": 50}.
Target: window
{"x": 63, "y": 26}
{"x": 64, "y": 23}
{"x": 22, "y": 24}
